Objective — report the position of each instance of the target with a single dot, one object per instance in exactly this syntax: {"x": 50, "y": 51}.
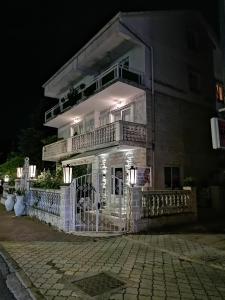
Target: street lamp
{"x": 32, "y": 171}
{"x": 67, "y": 174}
{"x": 19, "y": 172}
{"x": 132, "y": 176}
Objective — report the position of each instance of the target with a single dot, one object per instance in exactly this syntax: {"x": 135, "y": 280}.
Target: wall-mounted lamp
{"x": 19, "y": 172}
{"x": 6, "y": 178}
{"x": 67, "y": 174}
{"x": 32, "y": 171}
{"x": 132, "y": 175}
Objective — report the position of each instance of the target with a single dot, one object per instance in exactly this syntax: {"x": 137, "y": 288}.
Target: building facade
{"x": 140, "y": 93}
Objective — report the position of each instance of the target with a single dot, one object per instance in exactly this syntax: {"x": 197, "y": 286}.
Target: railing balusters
{"x": 45, "y": 200}
{"x": 117, "y": 131}
{"x": 159, "y": 203}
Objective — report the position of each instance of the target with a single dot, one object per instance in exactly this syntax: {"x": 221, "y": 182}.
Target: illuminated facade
{"x": 140, "y": 93}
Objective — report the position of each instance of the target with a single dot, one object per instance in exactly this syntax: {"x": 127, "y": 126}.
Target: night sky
{"x": 37, "y": 39}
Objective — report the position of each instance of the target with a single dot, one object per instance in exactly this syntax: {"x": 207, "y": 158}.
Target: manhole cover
{"x": 98, "y": 284}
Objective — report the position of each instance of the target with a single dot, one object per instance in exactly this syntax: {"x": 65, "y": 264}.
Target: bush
{"x": 189, "y": 181}
{"x": 48, "y": 181}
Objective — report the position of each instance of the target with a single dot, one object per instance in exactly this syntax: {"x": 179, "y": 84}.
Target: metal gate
{"x": 93, "y": 212}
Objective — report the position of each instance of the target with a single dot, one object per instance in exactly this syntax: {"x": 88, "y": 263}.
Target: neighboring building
{"x": 141, "y": 92}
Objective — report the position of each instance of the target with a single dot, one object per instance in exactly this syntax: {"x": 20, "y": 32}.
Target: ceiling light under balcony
{"x": 76, "y": 120}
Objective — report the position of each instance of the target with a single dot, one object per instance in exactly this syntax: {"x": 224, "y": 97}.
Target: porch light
{"x": 132, "y": 175}
{"x": 32, "y": 171}
{"x": 67, "y": 174}
{"x": 19, "y": 172}
{"x": 6, "y": 178}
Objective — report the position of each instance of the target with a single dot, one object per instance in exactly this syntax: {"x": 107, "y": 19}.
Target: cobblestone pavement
{"x": 140, "y": 267}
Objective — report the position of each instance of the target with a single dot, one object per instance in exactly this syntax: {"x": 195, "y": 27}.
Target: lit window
{"x": 219, "y": 92}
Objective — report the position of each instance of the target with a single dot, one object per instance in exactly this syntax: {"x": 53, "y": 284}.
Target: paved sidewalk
{"x": 157, "y": 266}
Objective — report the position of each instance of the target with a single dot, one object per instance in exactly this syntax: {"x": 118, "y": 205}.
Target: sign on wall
{"x": 144, "y": 176}
{"x": 218, "y": 133}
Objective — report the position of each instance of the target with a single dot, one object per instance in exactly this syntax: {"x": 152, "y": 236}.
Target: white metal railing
{"x": 161, "y": 203}
{"x": 45, "y": 200}
{"x": 104, "y": 79}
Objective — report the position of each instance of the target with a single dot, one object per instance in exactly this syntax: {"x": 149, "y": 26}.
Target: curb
{"x": 17, "y": 281}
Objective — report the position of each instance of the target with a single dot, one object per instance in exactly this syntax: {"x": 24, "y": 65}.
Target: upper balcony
{"x": 122, "y": 133}
{"x": 115, "y": 83}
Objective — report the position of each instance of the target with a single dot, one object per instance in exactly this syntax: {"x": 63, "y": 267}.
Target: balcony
{"x": 113, "y": 134}
{"x": 128, "y": 77}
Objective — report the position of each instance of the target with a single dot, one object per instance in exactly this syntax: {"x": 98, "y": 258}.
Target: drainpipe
{"x": 152, "y": 93}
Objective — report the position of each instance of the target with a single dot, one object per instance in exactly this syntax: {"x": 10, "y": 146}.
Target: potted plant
{"x": 188, "y": 183}
{"x": 10, "y": 199}
{"x": 19, "y": 206}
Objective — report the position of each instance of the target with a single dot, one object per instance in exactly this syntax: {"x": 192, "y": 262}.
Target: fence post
{"x": 194, "y": 206}
{"x": 134, "y": 208}
{"x": 65, "y": 208}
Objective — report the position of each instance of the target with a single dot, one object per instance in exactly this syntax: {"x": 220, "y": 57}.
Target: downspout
{"x": 152, "y": 93}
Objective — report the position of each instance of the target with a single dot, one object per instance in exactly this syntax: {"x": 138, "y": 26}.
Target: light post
{"x": 32, "y": 171}
{"x": 19, "y": 172}
{"x": 67, "y": 174}
{"x": 6, "y": 178}
{"x": 132, "y": 182}
{"x": 132, "y": 176}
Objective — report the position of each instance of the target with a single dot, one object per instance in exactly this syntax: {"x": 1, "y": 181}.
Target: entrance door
{"x": 117, "y": 178}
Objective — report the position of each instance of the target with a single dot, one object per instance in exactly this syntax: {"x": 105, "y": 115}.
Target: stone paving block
{"x": 65, "y": 293}
{"x": 116, "y": 297}
{"x": 51, "y": 292}
{"x": 130, "y": 297}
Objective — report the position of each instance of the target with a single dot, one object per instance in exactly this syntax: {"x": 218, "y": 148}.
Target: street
{"x": 58, "y": 266}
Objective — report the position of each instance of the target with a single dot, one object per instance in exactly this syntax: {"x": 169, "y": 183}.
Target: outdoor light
{"x": 67, "y": 174}
{"x": 19, "y": 172}
{"x": 6, "y": 179}
{"x": 132, "y": 175}
{"x": 32, "y": 171}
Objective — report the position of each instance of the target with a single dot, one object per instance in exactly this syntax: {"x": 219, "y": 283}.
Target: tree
{"x": 13, "y": 161}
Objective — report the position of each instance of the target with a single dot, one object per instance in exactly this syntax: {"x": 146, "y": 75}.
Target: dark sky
{"x": 40, "y": 36}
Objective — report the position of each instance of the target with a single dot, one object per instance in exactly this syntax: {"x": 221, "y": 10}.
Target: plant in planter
{"x": 19, "y": 206}
{"x": 10, "y": 200}
{"x": 189, "y": 183}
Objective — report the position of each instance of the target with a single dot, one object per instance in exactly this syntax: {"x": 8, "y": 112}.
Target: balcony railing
{"x": 120, "y": 132}
{"x": 55, "y": 149}
{"x": 102, "y": 81}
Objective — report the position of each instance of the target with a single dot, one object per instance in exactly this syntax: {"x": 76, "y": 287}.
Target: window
{"x": 122, "y": 114}
{"x": 172, "y": 177}
{"x": 192, "y": 40}
{"x": 219, "y": 92}
{"x": 77, "y": 129}
{"x": 194, "y": 81}
{"x": 126, "y": 114}
{"x": 117, "y": 181}
{"x": 89, "y": 125}
{"x": 104, "y": 118}
{"x": 125, "y": 63}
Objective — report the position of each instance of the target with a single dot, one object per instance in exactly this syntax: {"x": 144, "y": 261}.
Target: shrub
{"x": 189, "y": 181}
{"x": 48, "y": 181}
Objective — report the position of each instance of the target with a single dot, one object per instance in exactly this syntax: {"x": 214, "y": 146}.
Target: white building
{"x": 139, "y": 93}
